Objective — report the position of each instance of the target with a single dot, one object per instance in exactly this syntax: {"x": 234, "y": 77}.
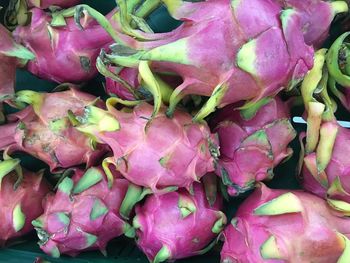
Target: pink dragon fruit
{"x": 263, "y": 45}
{"x": 128, "y": 84}
{"x": 316, "y": 27}
{"x": 263, "y": 138}
{"x": 339, "y": 69}
{"x": 83, "y": 214}
{"x": 131, "y": 78}
{"x": 63, "y": 52}
{"x": 18, "y": 11}
{"x": 12, "y": 55}
{"x": 325, "y": 170}
{"x": 43, "y": 4}
{"x": 21, "y": 197}
{"x": 152, "y": 150}
{"x": 286, "y": 226}
{"x": 324, "y": 165}
{"x": 178, "y": 224}
{"x": 44, "y": 131}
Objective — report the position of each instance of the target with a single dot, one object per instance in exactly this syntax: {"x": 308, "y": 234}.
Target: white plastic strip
{"x": 345, "y": 124}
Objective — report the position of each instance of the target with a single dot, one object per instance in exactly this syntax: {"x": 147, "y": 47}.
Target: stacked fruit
{"x": 193, "y": 118}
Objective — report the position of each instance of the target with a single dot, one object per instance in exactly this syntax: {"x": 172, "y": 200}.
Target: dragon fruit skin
{"x": 83, "y": 214}
{"x": 268, "y": 57}
{"x": 286, "y": 226}
{"x": 134, "y": 81}
{"x": 263, "y": 138}
{"x": 12, "y": 55}
{"x": 177, "y": 225}
{"x": 130, "y": 75}
{"x": 21, "y": 205}
{"x": 154, "y": 152}
{"x": 315, "y": 27}
{"x": 332, "y": 182}
{"x": 63, "y": 53}
{"x": 43, "y": 130}
{"x": 43, "y": 4}
{"x": 323, "y": 166}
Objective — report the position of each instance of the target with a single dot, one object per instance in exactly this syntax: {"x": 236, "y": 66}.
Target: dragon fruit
{"x": 131, "y": 80}
{"x": 324, "y": 165}
{"x": 63, "y": 52}
{"x": 21, "y": 197}
{"x": 12, "y": 55}
{"x": 286, "y": 226}
{"x": 325, "y": 170}
{"x": 263, "y": 45}
{"x": 339, "y": 69}
{"x": 43, "y": 129}
{"x": 83, "y": 215}
{"x": 43, "y": 4}
{"x": 18, "y": 11}
{"x": 128, "y": 84}
{"x": 150, "y": 149}
{"x": 177, "y": 224}
{"x": 263, "y": 138}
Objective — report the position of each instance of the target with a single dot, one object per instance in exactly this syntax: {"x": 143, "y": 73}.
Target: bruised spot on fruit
{"x": 31, "y": 140}
{"x": 85, "y": 63}
{"x": 196, "y": 240}
{"x": 46, "y": 147}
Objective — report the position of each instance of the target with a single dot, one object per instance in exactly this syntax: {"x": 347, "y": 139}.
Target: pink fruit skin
{"x": 238, "y": 146}
{"x": 7, "y": 64}
{"x": 338, "y": 168}
{"x": 7, "y": 75}
{"x": 34, "y": 133}
{"x": 161, "y": 152}
{"x": 63, "y": 54}
{"x": 315, "y": 27}
{"x": 74, "y": 234}
{"x": 161, "y": 223}
{"x": 278, "y": 54}
{"x": 308, "y": 236}
{"x": 130, "y": 75}
{"x": 43, "y": 4}
{"x": 29, "y": 194}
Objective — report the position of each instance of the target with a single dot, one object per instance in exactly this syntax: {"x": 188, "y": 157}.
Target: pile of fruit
{"x": 188, "y": 121}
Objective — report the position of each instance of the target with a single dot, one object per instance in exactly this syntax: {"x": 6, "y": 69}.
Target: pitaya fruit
{"x": 21, "y": 197}
{"x": 325, "y": 170}
{"x": 286, "y": 226}
{"x": 43, "y": 4}
{"x": 323, "y": 159}
{"x": 18, "y": 11}
{"x": 152, "y": 151}
{"x": 12, "y": 55}
{"x": 63, "y": 52}
{"x": 263, "y": 138}
{"x": 339, "y": 69}
{"x": 130, "y": 76}
{"x": 262, "y": 45}
{"x": 178, "y": 224}
{"x": 44, "y": 130}
{"x": 129, "y": 84}
{"x": 83, "y": 215}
